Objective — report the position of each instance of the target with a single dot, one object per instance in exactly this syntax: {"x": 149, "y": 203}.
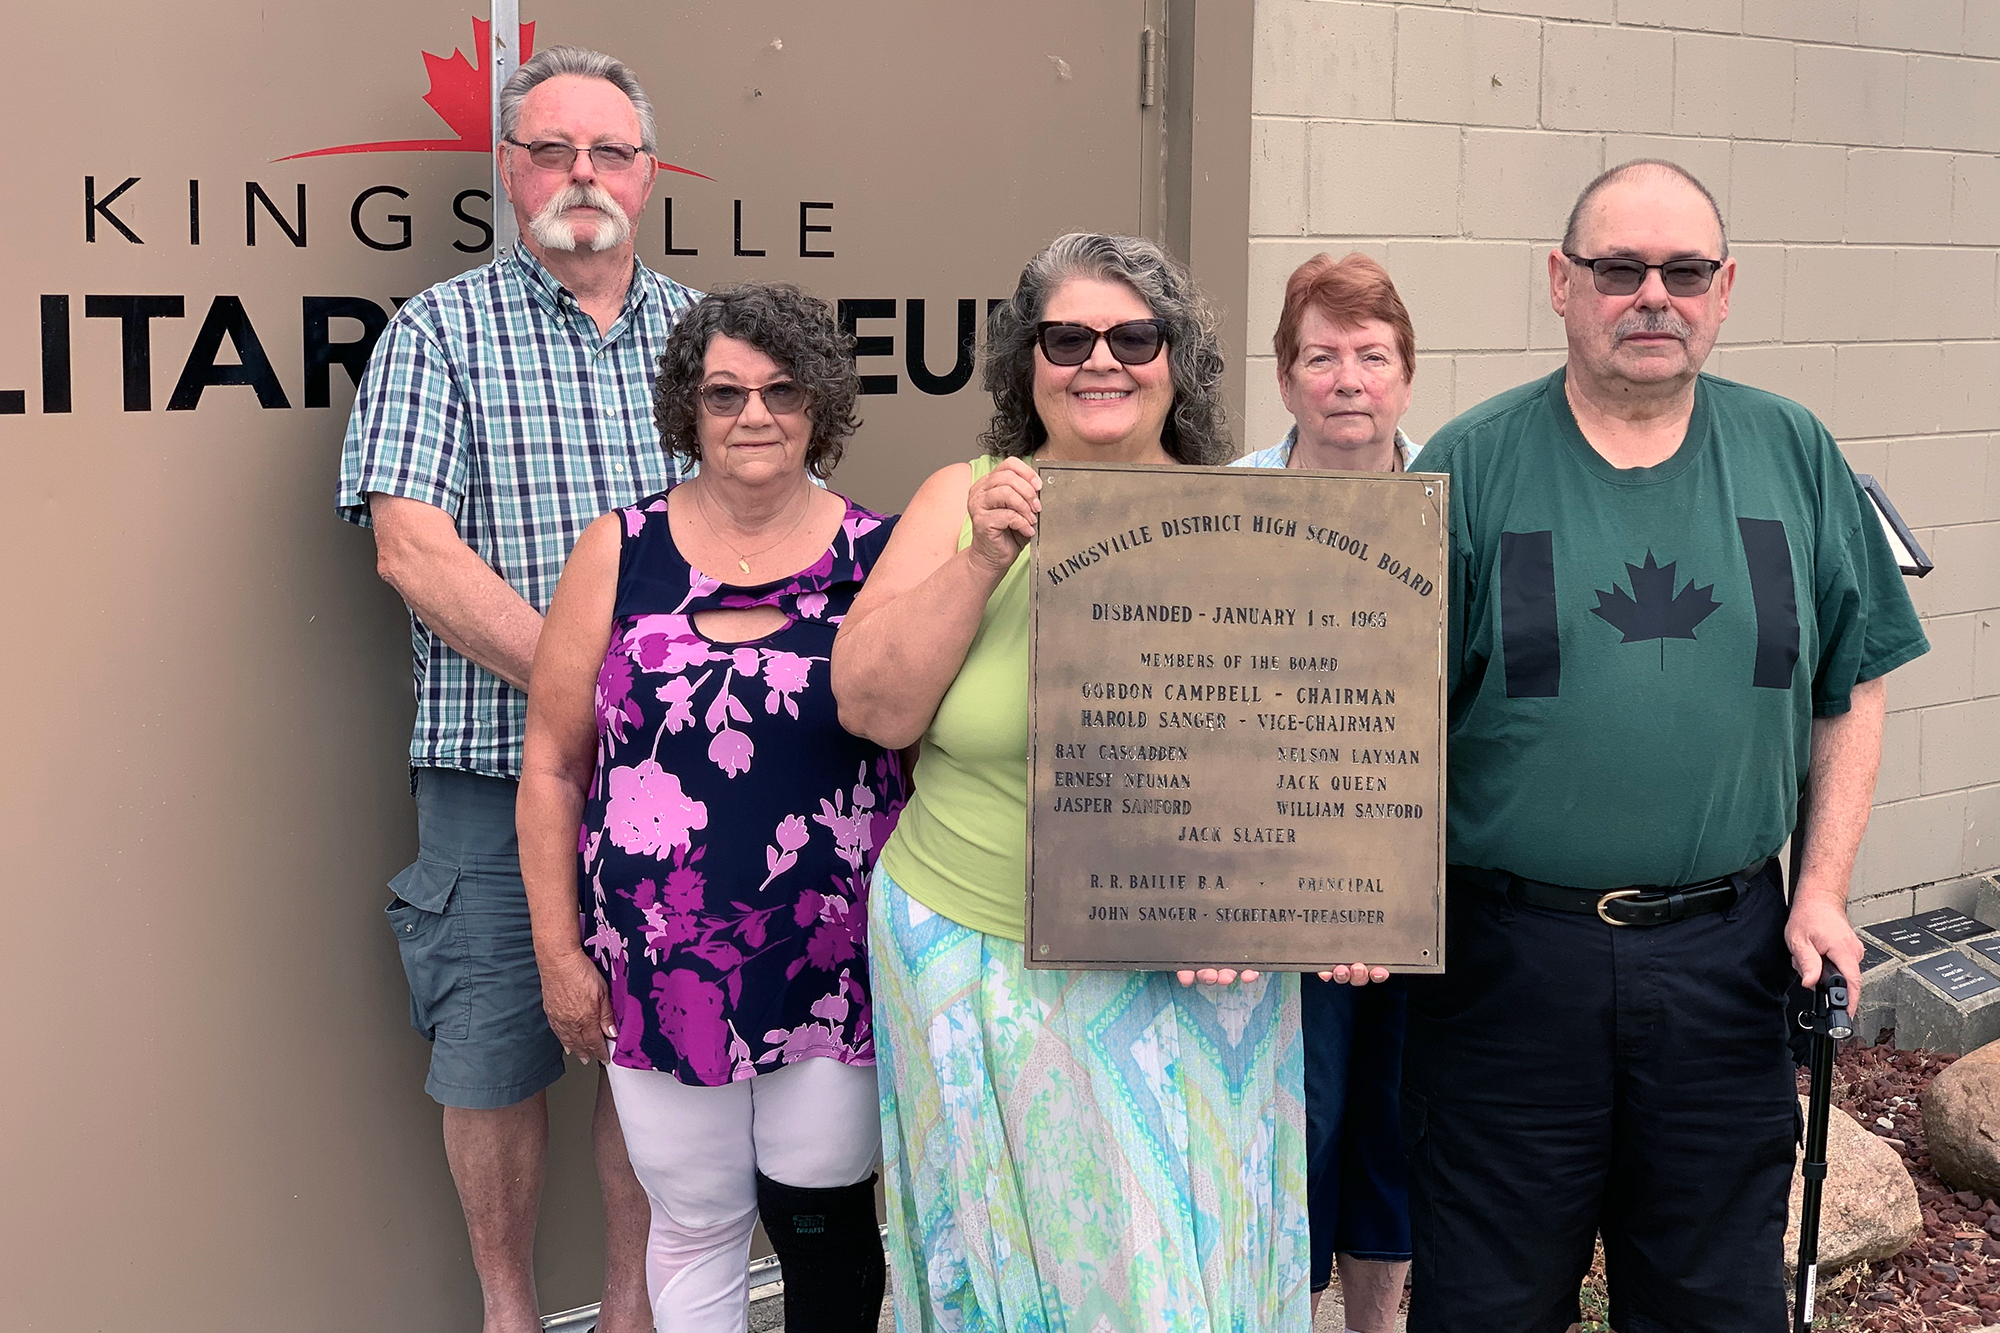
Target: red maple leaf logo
{"x": 460, "y": 94}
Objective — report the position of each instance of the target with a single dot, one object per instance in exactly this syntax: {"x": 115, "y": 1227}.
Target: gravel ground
{"x": 1949, "y": 1278}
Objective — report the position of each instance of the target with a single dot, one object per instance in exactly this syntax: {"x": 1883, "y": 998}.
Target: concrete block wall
{"x": 1854, "y": 146}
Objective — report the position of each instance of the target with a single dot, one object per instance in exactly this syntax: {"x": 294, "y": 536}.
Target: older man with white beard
{"x": 502, "y": 411}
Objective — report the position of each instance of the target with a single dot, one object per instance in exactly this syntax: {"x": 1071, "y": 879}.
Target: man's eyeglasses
{"x": 1618, "y": 276}
{"x": 1133, "y": 343}
{"x": 728, "y": 400}
{"x": 555, "y": 155}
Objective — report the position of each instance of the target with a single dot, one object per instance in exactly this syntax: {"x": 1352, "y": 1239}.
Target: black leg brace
{"x": 831, "y": 1250}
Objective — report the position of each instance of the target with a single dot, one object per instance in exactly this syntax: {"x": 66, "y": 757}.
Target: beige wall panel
{"x": 1482, "y": 375}
{"x": 1912, "y": 25}
{"x": 1545, "y": 327}
{"x": 1911, "y": 842}
{"x": 1902, "y": 747}
{"x": 1958, "y": 750}
{"x": 1822, "y": 281}
{"x": 1472, "y": 69}
{"x": 1953, "y": 103}
{"x": 1324, "y": 58}
{"x": 1981, "y": 843}
{"x": 1353, "y": 195}
{"x": 1943, "y": 293}
{"x": 1462, "y": 294}
{"x": 1801, "y": 372}
{"x": 1982, "y": 27}
{"x": 1806, "y": 20}
{"x": 1757, "y": 302}
{"x": 1524, "y": 179}
{"x": 1278, "y": 178}
{"x": 1850, "y": 96}
{"x": 1607, "y": 79}
{"x": 1732, "y": 86}
{"x": 1986, "y": 653}
{"x": 1714, "y": 15}
{"x": 1898, "y": 195}
{"x": 1870, "y": 457}
{"x": 1886, "y": 388}
{"x": 1967, "y": 577}
{"x": 1433, "y": 395}
{"x": 1593, "y": 11}
{"x": 1787, "y": 192}
{"x": 1975, "y": 199}
{"x": 1941, "y": 676}
{"x": 1971, "y": 397}
{"x": 1939, "y": 479}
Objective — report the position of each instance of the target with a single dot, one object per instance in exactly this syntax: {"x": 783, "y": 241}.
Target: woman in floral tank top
{"x": 698, "y": 831}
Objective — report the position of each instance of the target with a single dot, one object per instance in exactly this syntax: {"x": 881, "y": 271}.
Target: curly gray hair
{"x": 1196, "y": 430}
{"x": 795, "y": 330}
{"x": 559, "y": 60}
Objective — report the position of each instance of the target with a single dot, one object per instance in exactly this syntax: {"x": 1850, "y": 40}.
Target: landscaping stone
{"x": 1868, "y": 1205}
{"x": 1962, "y": 1122}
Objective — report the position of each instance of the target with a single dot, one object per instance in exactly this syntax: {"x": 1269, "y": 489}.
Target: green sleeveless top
{"x": 961, "y": 845}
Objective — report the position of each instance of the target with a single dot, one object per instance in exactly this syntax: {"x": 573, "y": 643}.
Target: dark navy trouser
{"x": 1566, "y": 1077}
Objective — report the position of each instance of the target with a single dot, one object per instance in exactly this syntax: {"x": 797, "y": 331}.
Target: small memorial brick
{"x": 1906, "y": 938}
{"x": 1957, "y": 976}
{"x": 1952, "y": 925}
{"x": 1989, "y": 948}
{"x": 1947, "y": 1002}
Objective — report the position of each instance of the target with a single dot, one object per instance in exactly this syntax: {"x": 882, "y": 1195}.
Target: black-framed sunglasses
{"x": 1618, "y": 276}
{"x": 781, "y": 397}
{"x": 555, "y": 155}
{"x": 1133, "y": 343}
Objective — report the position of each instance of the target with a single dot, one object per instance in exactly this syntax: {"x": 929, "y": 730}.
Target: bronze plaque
{"x": 1236, "y": 720}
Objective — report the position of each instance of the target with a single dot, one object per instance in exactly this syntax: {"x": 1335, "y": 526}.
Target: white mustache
{"x": 557, "y": 232}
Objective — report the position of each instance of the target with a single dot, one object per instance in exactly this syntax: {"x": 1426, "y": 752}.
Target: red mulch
{"x": 1950, "y": 1277}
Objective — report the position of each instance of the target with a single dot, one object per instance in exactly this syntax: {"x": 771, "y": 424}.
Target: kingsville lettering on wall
{"x": 340, "y": 331}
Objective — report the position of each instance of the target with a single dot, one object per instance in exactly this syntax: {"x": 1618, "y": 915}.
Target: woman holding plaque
{"x": 1063, "y": 1150}
{"x": 1346, "y": 357}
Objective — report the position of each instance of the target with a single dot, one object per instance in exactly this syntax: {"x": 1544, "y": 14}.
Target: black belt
{"x": 1646, "y": 905}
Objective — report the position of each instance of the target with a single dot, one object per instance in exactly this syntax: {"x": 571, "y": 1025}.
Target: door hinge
{"x": 1149, "y": 86}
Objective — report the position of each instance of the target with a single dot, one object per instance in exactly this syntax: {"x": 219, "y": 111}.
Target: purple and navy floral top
{"x": 732, "y": 825}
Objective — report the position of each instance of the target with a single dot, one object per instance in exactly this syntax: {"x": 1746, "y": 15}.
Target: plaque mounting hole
{"x": 1045, "y": 948}
{"x": 1425, "y": 954}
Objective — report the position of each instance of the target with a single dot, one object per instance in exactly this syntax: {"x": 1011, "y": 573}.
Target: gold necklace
{"x": 742, "y": 559}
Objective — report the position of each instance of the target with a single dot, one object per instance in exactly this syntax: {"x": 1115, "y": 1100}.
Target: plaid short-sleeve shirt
{"x": 493, "y": 397}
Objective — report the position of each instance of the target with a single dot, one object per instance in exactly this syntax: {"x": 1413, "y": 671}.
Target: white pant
{"x": 815, "y": 1124}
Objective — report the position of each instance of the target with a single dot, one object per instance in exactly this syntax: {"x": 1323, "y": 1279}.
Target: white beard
{"x": 557, "y": 232}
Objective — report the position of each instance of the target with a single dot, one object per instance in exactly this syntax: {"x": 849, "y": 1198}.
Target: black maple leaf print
{"x": 1653, "y": 611}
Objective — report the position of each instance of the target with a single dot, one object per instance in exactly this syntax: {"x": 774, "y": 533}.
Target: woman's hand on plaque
{"x": 1215, "y": 976}
{"x": 1355, "y": 974}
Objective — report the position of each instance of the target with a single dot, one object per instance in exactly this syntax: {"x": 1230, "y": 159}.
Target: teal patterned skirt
{"x": 1083, "y": 1152}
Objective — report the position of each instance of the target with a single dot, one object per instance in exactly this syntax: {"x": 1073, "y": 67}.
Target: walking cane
{"x": 1827, "y": 1022}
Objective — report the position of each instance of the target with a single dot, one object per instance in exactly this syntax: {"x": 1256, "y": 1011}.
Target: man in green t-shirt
{"x": 1670, "y": 605}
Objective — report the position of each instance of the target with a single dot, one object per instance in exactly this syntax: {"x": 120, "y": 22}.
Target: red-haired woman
{"x": 1346, "y": 357}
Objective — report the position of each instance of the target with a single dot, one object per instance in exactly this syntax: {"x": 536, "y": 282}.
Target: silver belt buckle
{"x": 1615, "y": 893}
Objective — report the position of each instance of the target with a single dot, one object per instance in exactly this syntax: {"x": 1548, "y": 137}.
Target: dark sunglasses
{"x": 728, "y": 400}
{"x": 1133, "y": 343}
{"x": 1622, "y": 277}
